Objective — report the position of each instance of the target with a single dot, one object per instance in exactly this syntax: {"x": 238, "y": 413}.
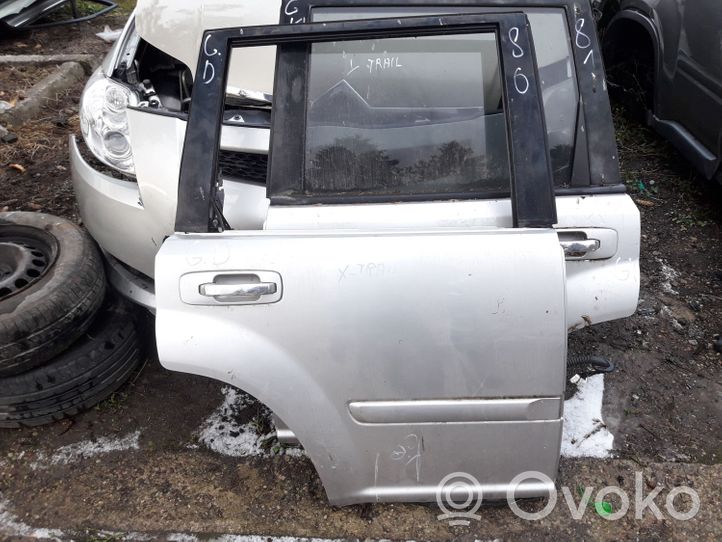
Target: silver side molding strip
{"x": 456, "y": 410}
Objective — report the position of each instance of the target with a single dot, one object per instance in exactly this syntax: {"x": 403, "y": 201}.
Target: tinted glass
{"x": 406, "y": 116}
{"x": 554, "y": 57}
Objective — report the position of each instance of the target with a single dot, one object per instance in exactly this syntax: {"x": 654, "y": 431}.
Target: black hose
{"x": 586, "y": 366}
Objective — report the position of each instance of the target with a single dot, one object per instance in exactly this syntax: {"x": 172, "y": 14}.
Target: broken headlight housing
{"x": 104, "y": 121}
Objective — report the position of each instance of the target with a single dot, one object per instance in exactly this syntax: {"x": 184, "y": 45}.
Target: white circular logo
{"x": 459, "y": 496}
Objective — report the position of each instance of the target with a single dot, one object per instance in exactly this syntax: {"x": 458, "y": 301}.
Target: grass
{"x": 125, "y": 6}
{"x": 115, "y": 402}
{"x": 642, "y": 154}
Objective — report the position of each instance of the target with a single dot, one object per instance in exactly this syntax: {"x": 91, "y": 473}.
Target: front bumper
{"x": 136, "y": 287}
{"x": 114, "y": 215}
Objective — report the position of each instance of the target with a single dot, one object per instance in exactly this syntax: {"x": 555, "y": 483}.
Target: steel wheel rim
{"x": 26, "y": 255}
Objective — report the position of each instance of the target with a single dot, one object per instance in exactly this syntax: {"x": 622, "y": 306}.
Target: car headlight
{"x": 104, "y": 122}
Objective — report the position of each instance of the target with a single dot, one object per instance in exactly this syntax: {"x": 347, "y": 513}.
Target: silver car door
{"x": 396, "y": 357}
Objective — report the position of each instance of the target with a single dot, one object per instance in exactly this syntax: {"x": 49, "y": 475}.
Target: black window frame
{"x": 199, "y": 205}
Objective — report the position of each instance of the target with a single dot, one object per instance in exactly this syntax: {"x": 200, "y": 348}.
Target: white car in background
{"x": 380, "y": 221}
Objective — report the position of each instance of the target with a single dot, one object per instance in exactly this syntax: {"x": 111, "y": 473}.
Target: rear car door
{"x": 397, "y": 356}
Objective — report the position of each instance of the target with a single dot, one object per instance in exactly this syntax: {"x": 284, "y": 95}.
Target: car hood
{"x": 176, "y": 27}
{"x": 13, "y": 7}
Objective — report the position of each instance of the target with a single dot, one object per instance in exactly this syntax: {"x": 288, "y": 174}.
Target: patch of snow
{"x": 180, "y": 537}
{"x": 294, "y": 451}
{"x": 11, "y": 526}
{"x": 584, "y": 433}
{"x": 224, "y": 434}
{"x": 113, "y": 535}
{"x": 669, "y": 275}
{"x": 108, "y": 35}
{"x": 78, "y": 451}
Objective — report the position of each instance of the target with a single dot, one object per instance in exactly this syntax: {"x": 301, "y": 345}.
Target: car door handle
{"x": 588, "y": 243}
{"x": 580, "y": 248}
{"x": 251, "y": 290}
{"x": 231, "y": 287}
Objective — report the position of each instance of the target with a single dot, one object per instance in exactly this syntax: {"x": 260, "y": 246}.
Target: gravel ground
{"x": 141, "y": 465}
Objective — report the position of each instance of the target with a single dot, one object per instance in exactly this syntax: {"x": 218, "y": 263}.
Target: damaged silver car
{"x": 381, "y": 221}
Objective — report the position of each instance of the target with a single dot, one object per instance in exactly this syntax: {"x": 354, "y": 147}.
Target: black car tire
{"x": 90, "y": 371}
{"x": 45, "y": 310}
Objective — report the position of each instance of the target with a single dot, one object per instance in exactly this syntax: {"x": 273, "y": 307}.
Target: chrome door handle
{"x": 231, "y": 287}
{"x": 579, "y": 248}
{"x": 250, "y": 290}
{"x": 588, "y": 243}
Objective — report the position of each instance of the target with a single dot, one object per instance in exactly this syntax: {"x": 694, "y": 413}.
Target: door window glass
{"x": 554, "y": 58}
{"x": 419, "y": 115}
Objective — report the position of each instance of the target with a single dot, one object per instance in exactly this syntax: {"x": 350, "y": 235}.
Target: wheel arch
{"x": 631, "y": 28}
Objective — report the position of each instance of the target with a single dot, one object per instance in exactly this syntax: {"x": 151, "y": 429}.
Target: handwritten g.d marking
{"x": 205, "y": 48}
{"x": 290, "y": 9}
{"x": 209, "y": 73}
{"x": 209, "y": 70}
